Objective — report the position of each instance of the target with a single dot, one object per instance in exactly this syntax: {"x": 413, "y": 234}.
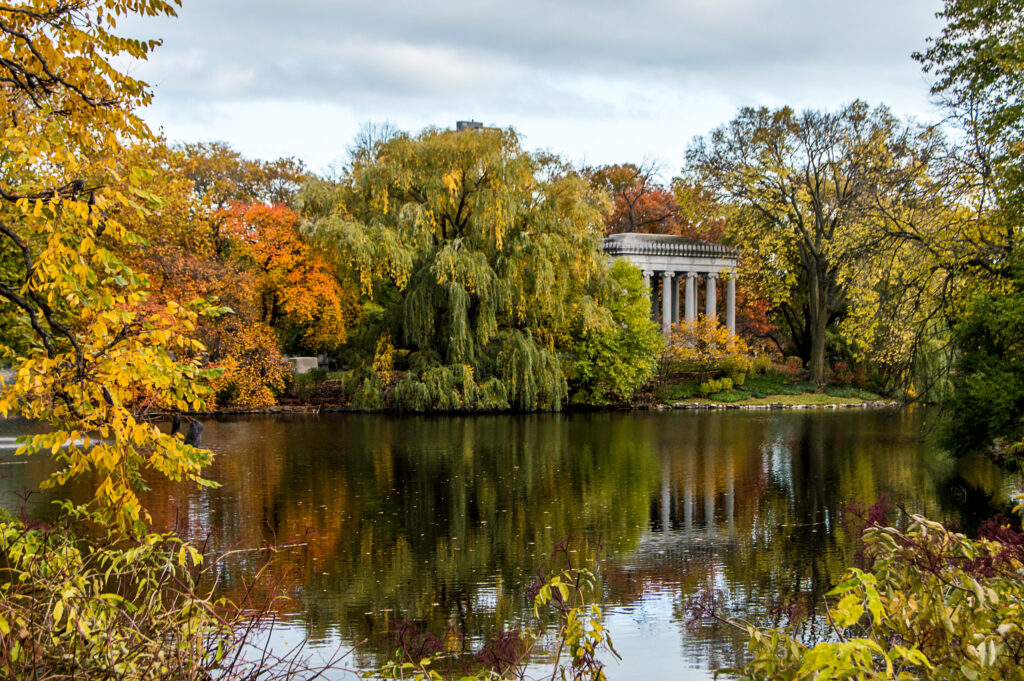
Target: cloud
{"x": 564, "y": 63}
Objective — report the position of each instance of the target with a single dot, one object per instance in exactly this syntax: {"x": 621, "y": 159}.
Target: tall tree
{"x": 484, "y": 255}
{"x": 806, "y": 184}
{"x": 92, "y": 348}
{"x": 978, "y": 62}
{"x": 218, "y": 235}
{"x": 298, "y": 292}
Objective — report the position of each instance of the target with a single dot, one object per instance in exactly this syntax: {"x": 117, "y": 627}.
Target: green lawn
{"x": 770, "y": 388}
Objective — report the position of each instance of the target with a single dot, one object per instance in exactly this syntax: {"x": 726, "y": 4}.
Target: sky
{"x": 592, "y": 80}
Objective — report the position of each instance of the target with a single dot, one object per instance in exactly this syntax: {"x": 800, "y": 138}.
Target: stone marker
{"x": 303, "y": 365}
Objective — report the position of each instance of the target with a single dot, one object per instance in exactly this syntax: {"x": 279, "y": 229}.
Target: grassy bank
{"x": 772, "y": 387}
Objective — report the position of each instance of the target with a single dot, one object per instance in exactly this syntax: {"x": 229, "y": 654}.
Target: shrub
{"x": 761, "y": 365}
{"x": 713, "y": 386}
{"x": 72, "y": 608}
{"x": 792, "y": 366}
{"x": 841, "y": 374}
{"x": 316, "y": 375}
{"x": 704, "y": 344}
{"x": 95, "y": 605}
{"x": 678, "y": 391}
{"x": 614, "y": 354}
{"x": 736, "y": 367}
{"x": 850, "y": 391}
{"x": 932, "y": 605}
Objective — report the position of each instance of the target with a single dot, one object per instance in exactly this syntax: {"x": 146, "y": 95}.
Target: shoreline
{"x": 770, "y": 403}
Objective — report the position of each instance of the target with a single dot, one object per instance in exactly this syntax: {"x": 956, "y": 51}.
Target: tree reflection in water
{"x": 444, "y": 520}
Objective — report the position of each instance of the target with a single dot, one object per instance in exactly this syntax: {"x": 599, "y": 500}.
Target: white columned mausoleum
{"x": 670, "y": 261}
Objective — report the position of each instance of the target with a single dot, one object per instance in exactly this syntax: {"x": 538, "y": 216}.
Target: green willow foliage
{"x": 488, "y": 266}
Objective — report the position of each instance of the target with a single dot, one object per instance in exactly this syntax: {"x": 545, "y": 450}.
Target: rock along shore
{"x": 693, "y": 406}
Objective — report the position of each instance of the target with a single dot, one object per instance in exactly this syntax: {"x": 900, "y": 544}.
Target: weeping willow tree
{"x": 483, "y": 257}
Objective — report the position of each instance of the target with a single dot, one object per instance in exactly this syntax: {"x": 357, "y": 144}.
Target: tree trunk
{"x": 817, "y": 364}
{"x": 818, "y": 312}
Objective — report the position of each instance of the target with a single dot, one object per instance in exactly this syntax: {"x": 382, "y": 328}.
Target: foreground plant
{"x": 560, "y": 601}
{"x": 103, "y": 607}
{"x": 933, "y": 605}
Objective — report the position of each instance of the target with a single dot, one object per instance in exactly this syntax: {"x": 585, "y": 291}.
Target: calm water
{"x": 443, "y": 520}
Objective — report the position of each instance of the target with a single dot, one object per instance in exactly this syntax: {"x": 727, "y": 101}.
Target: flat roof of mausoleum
{"x": 635, "y": 243}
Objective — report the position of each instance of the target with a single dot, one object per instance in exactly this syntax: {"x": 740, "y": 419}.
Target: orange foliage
{"x": 639, "y": 203}
{"x": 202, "y": 242}
{"x": 297, "y": 287}
{"x": 253, "y": 369}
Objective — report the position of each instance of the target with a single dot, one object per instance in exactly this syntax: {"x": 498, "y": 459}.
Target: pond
{"x": 443, "y": 521}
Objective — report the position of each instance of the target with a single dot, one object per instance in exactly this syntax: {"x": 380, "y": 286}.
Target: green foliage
{"x": 713, "y": 386}
{"x": 988, "y": 379}
{"x": 736, "y": 367}
{"x": 977, "y": 60}
{"x": 448, "y": 388}
{"x": 368, "y": 393}
{"x": 812, "y": 194}
{"x": 850, "y": 391}
{"x": 761, "y": 365}
{"x": 672, "y": 392}
{"x": 775, "y": 383}
{"x": 615, "y": 358}
{"x": 934, "y": 605}
{"x": 305, "y": 386}
{"x": 731, "y": 395}
{"x": 484, "y": 262}
{"x": 103, "y": 609}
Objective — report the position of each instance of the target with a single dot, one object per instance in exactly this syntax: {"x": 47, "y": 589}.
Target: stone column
{"x": 691, "y": 297}
{"x": 730, "y": 305}
{"x": 675, "y": 298}
{"x": 651, "y": 293}
{"x": 711, "y": 296}
{"x": 666, "y": 302}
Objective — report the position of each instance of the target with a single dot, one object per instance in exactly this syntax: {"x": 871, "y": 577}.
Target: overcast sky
{"x": 593, "y": 80}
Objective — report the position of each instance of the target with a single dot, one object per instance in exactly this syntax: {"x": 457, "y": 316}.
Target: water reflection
{"x": 444, "y": 520}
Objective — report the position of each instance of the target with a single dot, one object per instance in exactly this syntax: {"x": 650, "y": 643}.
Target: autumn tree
{"x": 976, "y": 61}
{"x": 93, "y": 350}
{"x": 483, "y": 258}
{"x": 806, "y": 187}
{"x": 639, "y": 202}
{"x": 978, "y": 64}
{"x": 217, "y": 237}
{"x": 298, "y": 292}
